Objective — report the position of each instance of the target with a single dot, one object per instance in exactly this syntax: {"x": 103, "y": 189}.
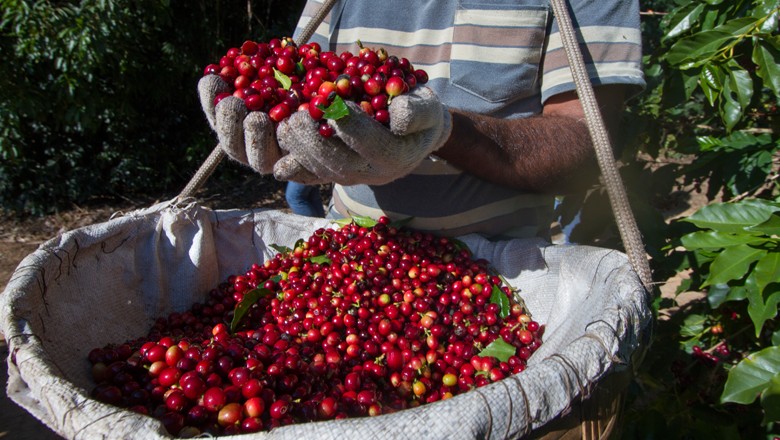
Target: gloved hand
{"x": 246, "y": 137}
{"x": 362, "y": 150}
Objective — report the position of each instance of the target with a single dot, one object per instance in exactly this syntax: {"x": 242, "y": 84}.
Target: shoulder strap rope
{"x": 629, "y": 232}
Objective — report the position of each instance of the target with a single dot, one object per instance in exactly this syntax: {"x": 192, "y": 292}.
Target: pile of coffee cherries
{"x": 279, "y": 78}
{"x": 354, "y": 321}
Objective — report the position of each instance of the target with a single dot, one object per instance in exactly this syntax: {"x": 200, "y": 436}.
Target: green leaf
{"x": 767, "y": 58}
{"x": 722, "y": 293}
{"x": 343, "y": 221}
{"x": 320, "y": 259}
{"x": 760, "y": 312}
{"x": 730, "y": 217}
{"x": 767, "y": 270}
{"x": 336, "y": 110}
{"x": 740, "y": 27}
{"x": 499, "y": 349}
{"x": 711, "y": 18}
{"x": 732, "y": 264}
{"x": 364, "y": 222}
{"x": 776, "y": 337}
{"x": 697, "y": 49}
{"x": 717, "y": 240}
{"x": 690, "y": 79}
{"x": 730, "y": 110}
{"x": 711, "y": 82}
{"x": 737, "y": 293}
{"x": 767, "y": 10}
{"x": 709, "y": 143}
{"x": 693, "y": 326}
{"x": 770, "y": 401}
{"x": 737, "y": 93}
{"x": 741, "y": 140}
{"x": 758, "y": 309}
{"x": 683, "y": 20}
{"x": 717, "y": 294}
{"x": 751, "y": 376}
{"x": 280, "y": 249}
{"x": 283, "y": 79}
{"x": 769, "y": 227}
{"x": 250, "y": 299}
{"x": 499, "y": 297}
{"x": 701, "y": 47}
{"x": 762, "y": 203}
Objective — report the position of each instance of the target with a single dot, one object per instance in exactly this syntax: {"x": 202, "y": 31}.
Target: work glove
{"x": 362, "y": 150}
{"x": 246, "y": 137}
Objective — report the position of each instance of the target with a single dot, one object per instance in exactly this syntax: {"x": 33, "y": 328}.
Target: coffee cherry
{"x": 230, "y": 414}
{"x": 279, "y": 112}
{"x": 325, "y": 129}
{"x": 254, "y": 102}
{"x": 278, "y": 409}
{"x": 395, "y": 86}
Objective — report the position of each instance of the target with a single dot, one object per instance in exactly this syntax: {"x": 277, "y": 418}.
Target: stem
{"x": 728, "y": 51}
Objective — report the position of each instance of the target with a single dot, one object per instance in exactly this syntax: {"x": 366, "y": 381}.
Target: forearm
{"x": 546, "y": 154}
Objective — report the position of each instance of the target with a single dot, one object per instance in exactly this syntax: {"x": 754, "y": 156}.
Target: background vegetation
{"x": 97, "y": 100}
{"x": 708, "y": 121}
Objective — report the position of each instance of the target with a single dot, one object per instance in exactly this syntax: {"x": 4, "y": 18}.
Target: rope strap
{"x": 629, "y": 233}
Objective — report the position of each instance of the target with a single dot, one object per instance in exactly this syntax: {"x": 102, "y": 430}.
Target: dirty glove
{"x": 362, "y": 150}
{"x": 246, "y": 137}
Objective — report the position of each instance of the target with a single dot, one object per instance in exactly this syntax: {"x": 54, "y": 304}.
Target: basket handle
{"x": 217, "y": 154}
{"x": 629, "y": 232}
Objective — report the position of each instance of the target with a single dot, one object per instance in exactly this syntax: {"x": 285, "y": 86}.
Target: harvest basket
{"x": 108, "y": 282}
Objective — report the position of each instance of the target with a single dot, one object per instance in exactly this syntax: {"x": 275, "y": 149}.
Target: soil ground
{"x": 19, "y": 238}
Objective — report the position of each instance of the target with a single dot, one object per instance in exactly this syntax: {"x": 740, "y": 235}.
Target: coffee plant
{"x": 713, "y": 370}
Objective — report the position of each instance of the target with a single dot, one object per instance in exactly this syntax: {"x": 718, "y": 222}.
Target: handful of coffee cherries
{"x": 279, "y": 77}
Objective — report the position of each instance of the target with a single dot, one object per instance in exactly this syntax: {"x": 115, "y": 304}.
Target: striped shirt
{"x": 494, "y": 57}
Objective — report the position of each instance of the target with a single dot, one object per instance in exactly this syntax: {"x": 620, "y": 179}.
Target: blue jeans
{"x": 304, "y": 199}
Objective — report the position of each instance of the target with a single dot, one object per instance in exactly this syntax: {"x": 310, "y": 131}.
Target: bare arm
{"x": 550, "y": 153}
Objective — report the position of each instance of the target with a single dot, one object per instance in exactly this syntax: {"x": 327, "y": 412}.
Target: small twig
{"x": 651, "y": 12}
{"x": 773, "y": 177}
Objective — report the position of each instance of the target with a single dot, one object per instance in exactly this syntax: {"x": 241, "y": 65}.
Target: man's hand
{"x": 363, "y": 150}
{"x": 246, "y": 137}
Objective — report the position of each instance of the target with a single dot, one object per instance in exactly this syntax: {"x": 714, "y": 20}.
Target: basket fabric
{"x": 108, "y": 282}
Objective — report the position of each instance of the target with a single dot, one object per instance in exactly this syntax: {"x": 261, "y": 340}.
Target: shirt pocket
{"x": 497, "y": 49}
